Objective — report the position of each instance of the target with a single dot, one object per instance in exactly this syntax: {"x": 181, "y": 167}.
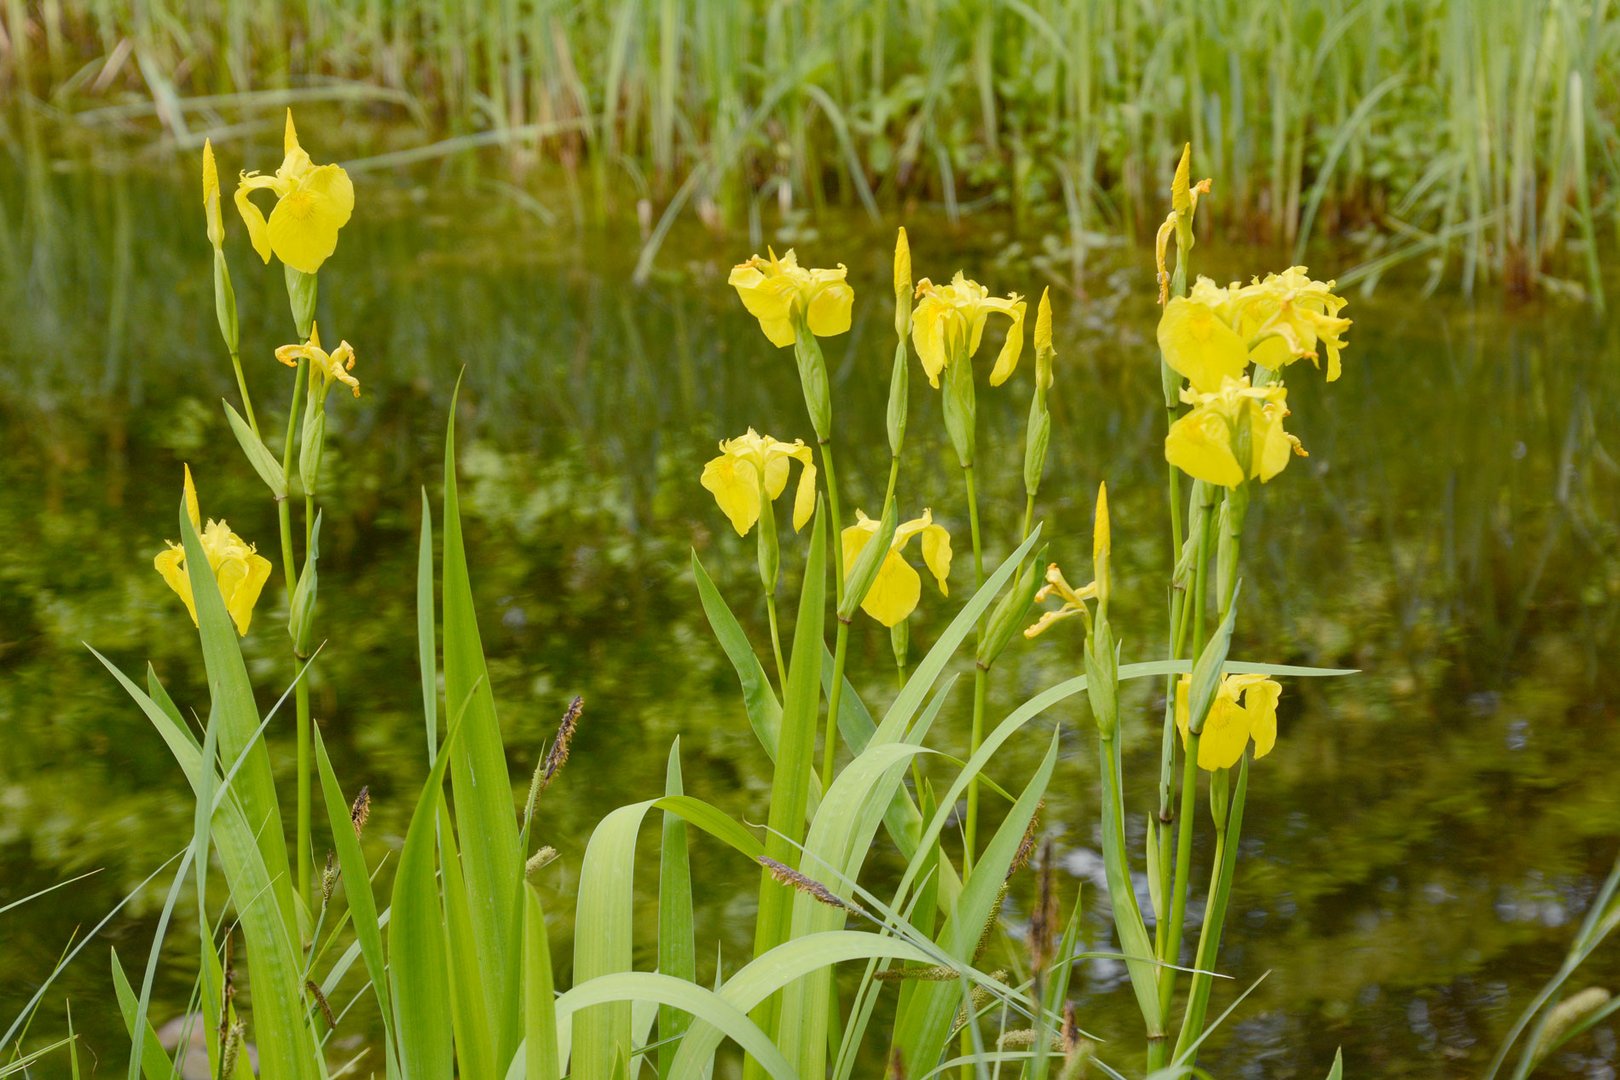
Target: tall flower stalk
{"x": 313, "y": 202}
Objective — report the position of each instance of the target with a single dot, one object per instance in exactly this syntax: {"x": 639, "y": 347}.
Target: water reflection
{"x": 1423, "y": 836}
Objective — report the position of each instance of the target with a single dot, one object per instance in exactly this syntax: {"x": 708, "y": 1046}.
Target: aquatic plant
{"x": 461, "y": 967}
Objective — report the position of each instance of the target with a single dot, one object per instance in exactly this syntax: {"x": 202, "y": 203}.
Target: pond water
{"x": 1420, "y": 845}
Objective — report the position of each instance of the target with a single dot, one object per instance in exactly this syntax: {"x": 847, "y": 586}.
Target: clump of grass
{"x": 1477, "y": 139}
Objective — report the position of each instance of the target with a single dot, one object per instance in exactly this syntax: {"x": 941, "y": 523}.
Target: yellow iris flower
{"x": 334, "y": 366}
{"x": 773, "y": 289}
{"x": 312, "y": 203}
{"x": 734, "y": 478}
{"x": 897, "y": 588}
{"x": 235, "y": 563}
{"x": 947, "y": 315}
{"x": 1245, "y": 707}
{"x": 1207, "y": 442}
{"x": 1300, "y": 313}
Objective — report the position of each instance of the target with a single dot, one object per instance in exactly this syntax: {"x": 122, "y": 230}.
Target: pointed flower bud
{"x": 216, "y": 227}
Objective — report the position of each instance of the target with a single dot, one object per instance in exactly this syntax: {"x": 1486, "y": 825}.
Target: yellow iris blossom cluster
{"x": 1234, "y": 431}
{"x": 312, "y": 203}
{"x": 897, "y": 588}
{"x": 1244, "y": 709}
{"x": 752, "y": 461}
{"x": 236, "y": 565}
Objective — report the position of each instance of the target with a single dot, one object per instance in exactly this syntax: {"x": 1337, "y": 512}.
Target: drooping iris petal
{"x": 767, "y": 299}
{"x": 894, "y": 593}
{"x": 1200, "y": 445}
{"x": 304, "y": 225}
{"x": 1198, "y": 344}
{"x": 735, "y": 487}
{"x": 252, "y": 216}
{"x": 1226, "y": 733}
{"x": 171, "y": 564}
{"x": 1260, "y": 702}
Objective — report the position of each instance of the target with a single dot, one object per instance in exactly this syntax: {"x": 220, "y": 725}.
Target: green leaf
{"x": 539, "y": 997}
{"x": 418, "y": 966}
{"x": 619, "y": 989}
{"x": 603, "y": 938}
{"x": 795, "y": 759}
{"x": 1337, "y": 1072}
{"x": 677, "y": 947}
{"x": 154, "y": 1061}
{"x": 286, "y": 1043}
{"x": 264, "y": 463}
{"x": 475, "y": 1050}
{"x": 780, "y": 967}
{"x": 426, "y": 643}
{"x": 237, "y": 715}
{"x": 923, "y": 1024}
{"x": 837, "y": 845}
{"x": 356, "y": 879}
{"x": 485, "y": 814}
{"x": 764, "y": 711}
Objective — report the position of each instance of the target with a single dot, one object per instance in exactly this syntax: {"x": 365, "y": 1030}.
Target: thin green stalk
{"x": 981, "y": 679}
{"x": 1227, "y": 835}
{"x": 1180, "y": 883}
{"x": 241, "y": 386}
{"x": 829, "y": 746}
{"x": 301, "y": 692}
{"x": 776, "y": 641}
{"x": 837, "y": 519}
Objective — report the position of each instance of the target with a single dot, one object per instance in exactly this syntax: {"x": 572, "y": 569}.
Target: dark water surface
{"x": 1419, "y": 848}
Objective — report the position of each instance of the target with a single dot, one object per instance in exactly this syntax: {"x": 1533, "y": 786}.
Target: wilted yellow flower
{"x": 1300, "y": 312}
{"x": 216, "y": 227}
{"x": 334, "y": 366}
{"x": 1245, "y": 707}
{"x": 1208, "y": 442}
{"x": 1198, "y": 339}
{"x": 949, "y": 315}
{"x": 897, "y": 587}
{"x": 1074, "y": 600}
{"x": 312, "y": 203}
{"x": 734, "y": 478}
{"x": 235, "y": 563}
{"x": 773, "y": 289}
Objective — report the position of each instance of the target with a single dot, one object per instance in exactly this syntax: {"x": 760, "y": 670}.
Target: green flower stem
{"x": 776, "y": 642}
{"x": 301, "y": 691}
{"x": 981, "y": 679}
{"x": 836, "y": 532}
{"x": 829, "y": 745}
{"x": 1228, "y": 831}
{"x": 241, "y": 386}
{"x": 1180, "y": 883}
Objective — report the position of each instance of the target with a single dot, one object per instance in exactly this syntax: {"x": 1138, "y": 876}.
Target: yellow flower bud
{"x": 1181, "y": 186}
{"x": 1044, "y": 353}
{"x": 216, "y": 228}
